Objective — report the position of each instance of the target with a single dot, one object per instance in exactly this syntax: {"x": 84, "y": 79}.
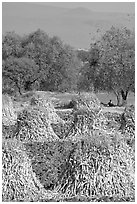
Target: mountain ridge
{"x": 75, "y": 26}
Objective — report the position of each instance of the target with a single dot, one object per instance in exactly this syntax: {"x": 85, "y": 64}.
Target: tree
{"x": 18, "y": 71}
{"x": 116, "y": 65}
{"x": 11, "y": 45}
{"x": 83, "y": 55}
{"x": 88, "y": 76}
{"x": 57, "y": 64}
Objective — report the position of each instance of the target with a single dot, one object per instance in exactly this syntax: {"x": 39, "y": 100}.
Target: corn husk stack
{"x": 87, "y": 116}
{"x": 102, "y": 163}
{"x": 99, "y": 167}
{"x": 9, "y": 117}
{"x": 47, "y": 107}
{"x": 34, "y": 122}
{"x": 33, "y": 126}
{"x": 128, "y": 125}
{"x": 19, "y": 182}
{"x": 8, "y": 114}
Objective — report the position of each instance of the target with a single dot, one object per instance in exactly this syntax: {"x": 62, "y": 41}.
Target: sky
{"x": 68, "y": 20}
{"x": 124, "y": 7}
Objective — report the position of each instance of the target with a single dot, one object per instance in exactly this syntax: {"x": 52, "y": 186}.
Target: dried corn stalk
{"x": 33, "y": 125}
{"x": 8, "y": 114}
{"x": 96, "y": 168}
{"x": 47, "y": 107}
{"x": 19, "y": 182}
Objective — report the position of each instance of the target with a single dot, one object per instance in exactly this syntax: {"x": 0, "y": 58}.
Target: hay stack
{"x": 47, "y": 107}
{"x": 99, "y": 167}
{"x": 33, "y": 126}
{"x": 8, "y": 114}
{"x": 19, "y": 182}
{"x": 87, "y": 116}
{"x": 128, "y": 125}
{"x": 87, "y": 102}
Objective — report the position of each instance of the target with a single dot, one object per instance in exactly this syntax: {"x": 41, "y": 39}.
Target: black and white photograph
{"x": 68, "y": 101}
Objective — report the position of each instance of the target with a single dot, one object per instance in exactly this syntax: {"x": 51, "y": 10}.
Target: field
{"x": 55, "y": 152}
{"x": 103, "y": 97}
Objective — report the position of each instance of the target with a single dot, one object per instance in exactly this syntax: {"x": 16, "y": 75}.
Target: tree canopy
{"x": 117, "y": 61}
{"x": 54, "y": 64}
{"x": 18, "y": 71}
{"x": 111, "y": 63}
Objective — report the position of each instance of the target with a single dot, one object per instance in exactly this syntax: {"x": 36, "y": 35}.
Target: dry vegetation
{"x": 73, "y": 155}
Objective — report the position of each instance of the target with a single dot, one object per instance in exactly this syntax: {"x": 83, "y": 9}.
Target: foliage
{"x": 11, "y": 45}
{"x": 111, "y": 64}
{"x": 19, "y": 71}
{"x": 116, "y": 70}
{"x": 56, "y": 61}
{"x": 83, "y": 55}
{"x": 57, "y": 64}
{"x": 88, "y": 80}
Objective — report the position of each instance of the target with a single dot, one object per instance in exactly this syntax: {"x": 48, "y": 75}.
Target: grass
{"x": 106, "y": 97}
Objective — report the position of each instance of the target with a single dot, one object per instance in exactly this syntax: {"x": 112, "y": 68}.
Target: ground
{"x": 65, "y": 98}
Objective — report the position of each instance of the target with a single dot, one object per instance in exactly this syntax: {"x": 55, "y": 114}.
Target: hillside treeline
{"x": 39, "y": 62}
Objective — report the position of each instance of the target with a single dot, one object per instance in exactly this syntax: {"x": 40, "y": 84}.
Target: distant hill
{"x": 76, "y": 27}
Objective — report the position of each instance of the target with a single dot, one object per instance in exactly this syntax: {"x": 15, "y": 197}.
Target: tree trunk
{"x": 117, "y": 94}
{"x": 124, "y": 97}
{"x": 118, "y": 99}
{"x": 19, "y": 88}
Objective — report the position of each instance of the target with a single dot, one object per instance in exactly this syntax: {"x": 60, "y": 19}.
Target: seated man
{"x": 110, "y": 104}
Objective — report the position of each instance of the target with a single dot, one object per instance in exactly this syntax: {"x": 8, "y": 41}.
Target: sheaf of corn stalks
{"x": 87, "y": 102}
{"x": 8, "y": 114}
{"x": 47, "y": 107}
{"x": 128, "y": 125}
{"x": 100, "y": 166}
{"x": 19, "y": 182}
{"x": 33, "y": 125}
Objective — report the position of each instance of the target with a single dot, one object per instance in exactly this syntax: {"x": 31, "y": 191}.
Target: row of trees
{"x": 37, "y": 61}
